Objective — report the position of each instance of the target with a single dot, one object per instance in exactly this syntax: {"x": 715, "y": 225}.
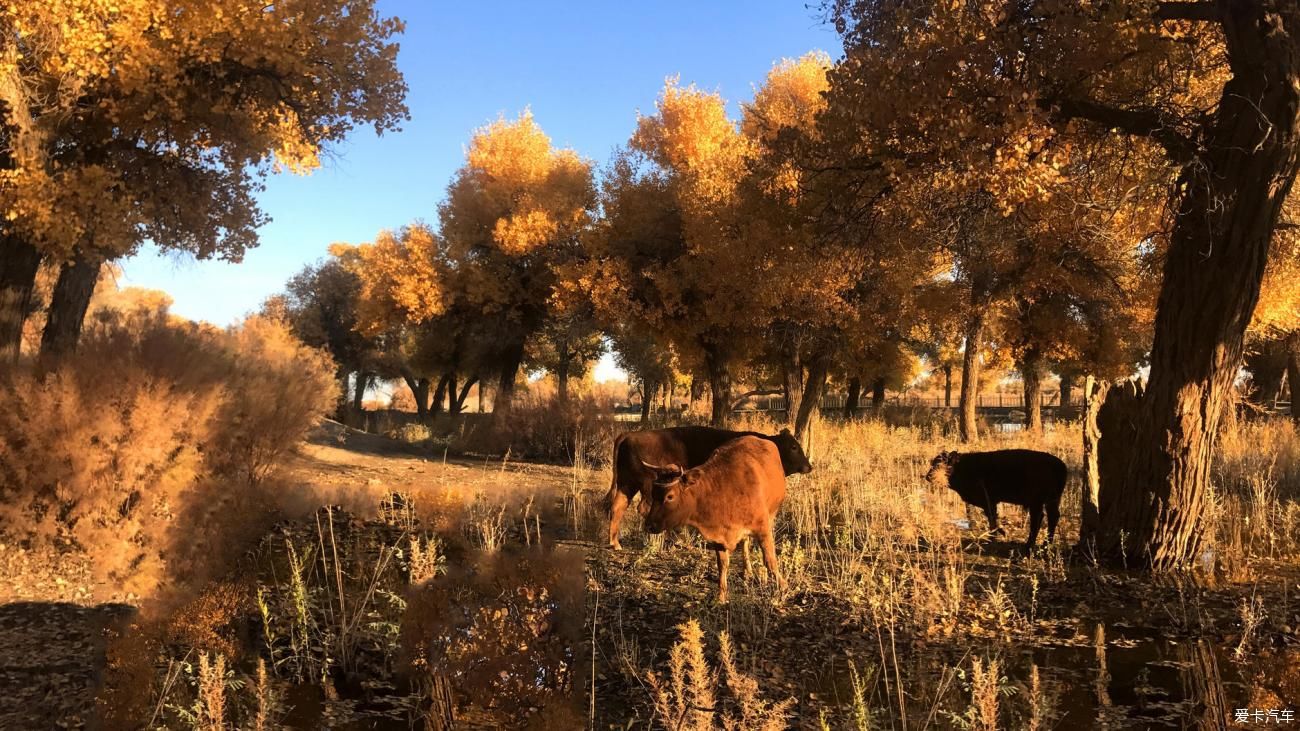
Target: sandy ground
{"x": 337, "y": 456}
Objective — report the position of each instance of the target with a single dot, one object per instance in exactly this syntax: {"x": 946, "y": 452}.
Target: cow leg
{"x": 1035, "y": 522}
{"x": 1053, "y": 517}
{"x": 769, "y": 558}
{"x": 991, "y": 512}
{"x": 617, "y": 506}
{"x": 746, "y": 567}
{"x": 724, "y": 560}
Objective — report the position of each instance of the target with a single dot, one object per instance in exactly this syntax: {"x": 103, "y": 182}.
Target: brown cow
{"x": 687, "y": 446}
{"x": 732, "y": 496}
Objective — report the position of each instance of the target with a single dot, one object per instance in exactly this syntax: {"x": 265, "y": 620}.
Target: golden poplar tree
{"x": 512, "y": 219}
{"x": 155, "y": 120}
{"x": 670, "y": 244}
{"x": 995, "y": 94}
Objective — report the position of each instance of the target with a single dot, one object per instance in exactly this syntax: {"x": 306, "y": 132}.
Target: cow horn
{"x": 671, "y": 469}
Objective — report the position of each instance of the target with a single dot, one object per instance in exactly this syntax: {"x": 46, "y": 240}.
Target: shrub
{"x": 413, "y": 433}
{"x": 538, "y": 429}
{"x": 107, "y": 452}
{"x": 276, "y": 388}
{"x": 504, "y": 630}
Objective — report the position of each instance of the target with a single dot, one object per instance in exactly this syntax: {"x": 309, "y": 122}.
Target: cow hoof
{"x": 615, "y": 546}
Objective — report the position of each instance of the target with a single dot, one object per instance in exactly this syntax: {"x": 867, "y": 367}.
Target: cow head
{"x": 792, "y": 457}
{"x": 941, "y": 468}
{"x": 671, "y": 499}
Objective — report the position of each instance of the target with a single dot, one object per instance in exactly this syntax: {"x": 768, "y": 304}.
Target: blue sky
{"x": 583, "y": 67}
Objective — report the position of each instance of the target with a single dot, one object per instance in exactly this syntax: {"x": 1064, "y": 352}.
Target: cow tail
{"x": 608, "y": 503}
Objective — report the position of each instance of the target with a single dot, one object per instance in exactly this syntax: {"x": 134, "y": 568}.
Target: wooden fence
{"x": 837, "y": 401}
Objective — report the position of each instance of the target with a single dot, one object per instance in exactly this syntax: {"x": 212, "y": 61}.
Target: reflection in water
{"x": 1203, "y": 686}
{"x": 1106, "y": 676}
{"x": 1101, "y": 683}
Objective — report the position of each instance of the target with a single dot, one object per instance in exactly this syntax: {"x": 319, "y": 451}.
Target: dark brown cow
{"x": 686, "y": 446}
{"x": 1023, "y": 477}
{"x": 734, "y": 495}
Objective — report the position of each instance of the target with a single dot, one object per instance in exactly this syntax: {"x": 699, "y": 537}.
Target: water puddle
{"x": 1092, "y": 675}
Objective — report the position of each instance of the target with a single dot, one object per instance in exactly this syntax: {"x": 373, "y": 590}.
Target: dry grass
{"x": 151, "y": 441}
{"x": 455, "y": 595}
{"x": 692, "y": 696}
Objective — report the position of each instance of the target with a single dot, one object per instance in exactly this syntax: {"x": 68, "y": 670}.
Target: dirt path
{"x": 336, "y": 456}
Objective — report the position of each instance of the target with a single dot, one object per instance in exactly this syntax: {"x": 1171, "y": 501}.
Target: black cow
{"x": 1034, "y": 480}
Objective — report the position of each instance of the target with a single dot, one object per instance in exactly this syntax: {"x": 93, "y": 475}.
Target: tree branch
{"x": 1137, "y": 122}
{"x": 757, "y": 392}
{"x": 1203, "y": 11}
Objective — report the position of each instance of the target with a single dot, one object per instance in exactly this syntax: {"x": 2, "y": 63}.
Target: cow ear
{"x": 690, "y": 478}
{"x": 786, "y": 431}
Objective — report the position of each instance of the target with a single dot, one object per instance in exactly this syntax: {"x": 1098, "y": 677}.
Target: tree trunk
{"x": 458, "y": 405}
{"x": 1094, "y": 395}
{"x": 422, "y": 398}
{"x": 341, "y": 408}
{"x": 647, "y": 387}
{"x": 439, "y": 396}
{"x": 420, "y": 392}
{"x": 510, "y": 362}
{"x": 792, "y": 382}
{"x": 877, "y": 395}
{"x": 453, "y": 408}
{"x": 1066, "y": 390}
{"x": 1031, "y": 373}
{"x": 1267, "y": 365}
{"x": 1293, "y": 374}
{"x": 1230, "y": 200}
{"x": 947, "y": 385}
{"x": 562, "y": 380}
{"x": 812, "y": 393}
{"x": 68, "y": 305}
{"x": 19, "y": 262}
{"x": 851, "y": 401}
{"x": 359, "y": 390}
{"x": 1118, "y": 414}
{"x": 719, "y": 386}
{"x": 970, "y": 374}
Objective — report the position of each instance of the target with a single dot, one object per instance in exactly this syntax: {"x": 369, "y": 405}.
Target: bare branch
{"x": 1203, "y": 11}
{"x": 1137, "y": 122}
{"x": 757, "y": 392}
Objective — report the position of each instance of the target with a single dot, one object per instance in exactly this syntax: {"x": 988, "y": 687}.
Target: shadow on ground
{"x": 51, "y": 662}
